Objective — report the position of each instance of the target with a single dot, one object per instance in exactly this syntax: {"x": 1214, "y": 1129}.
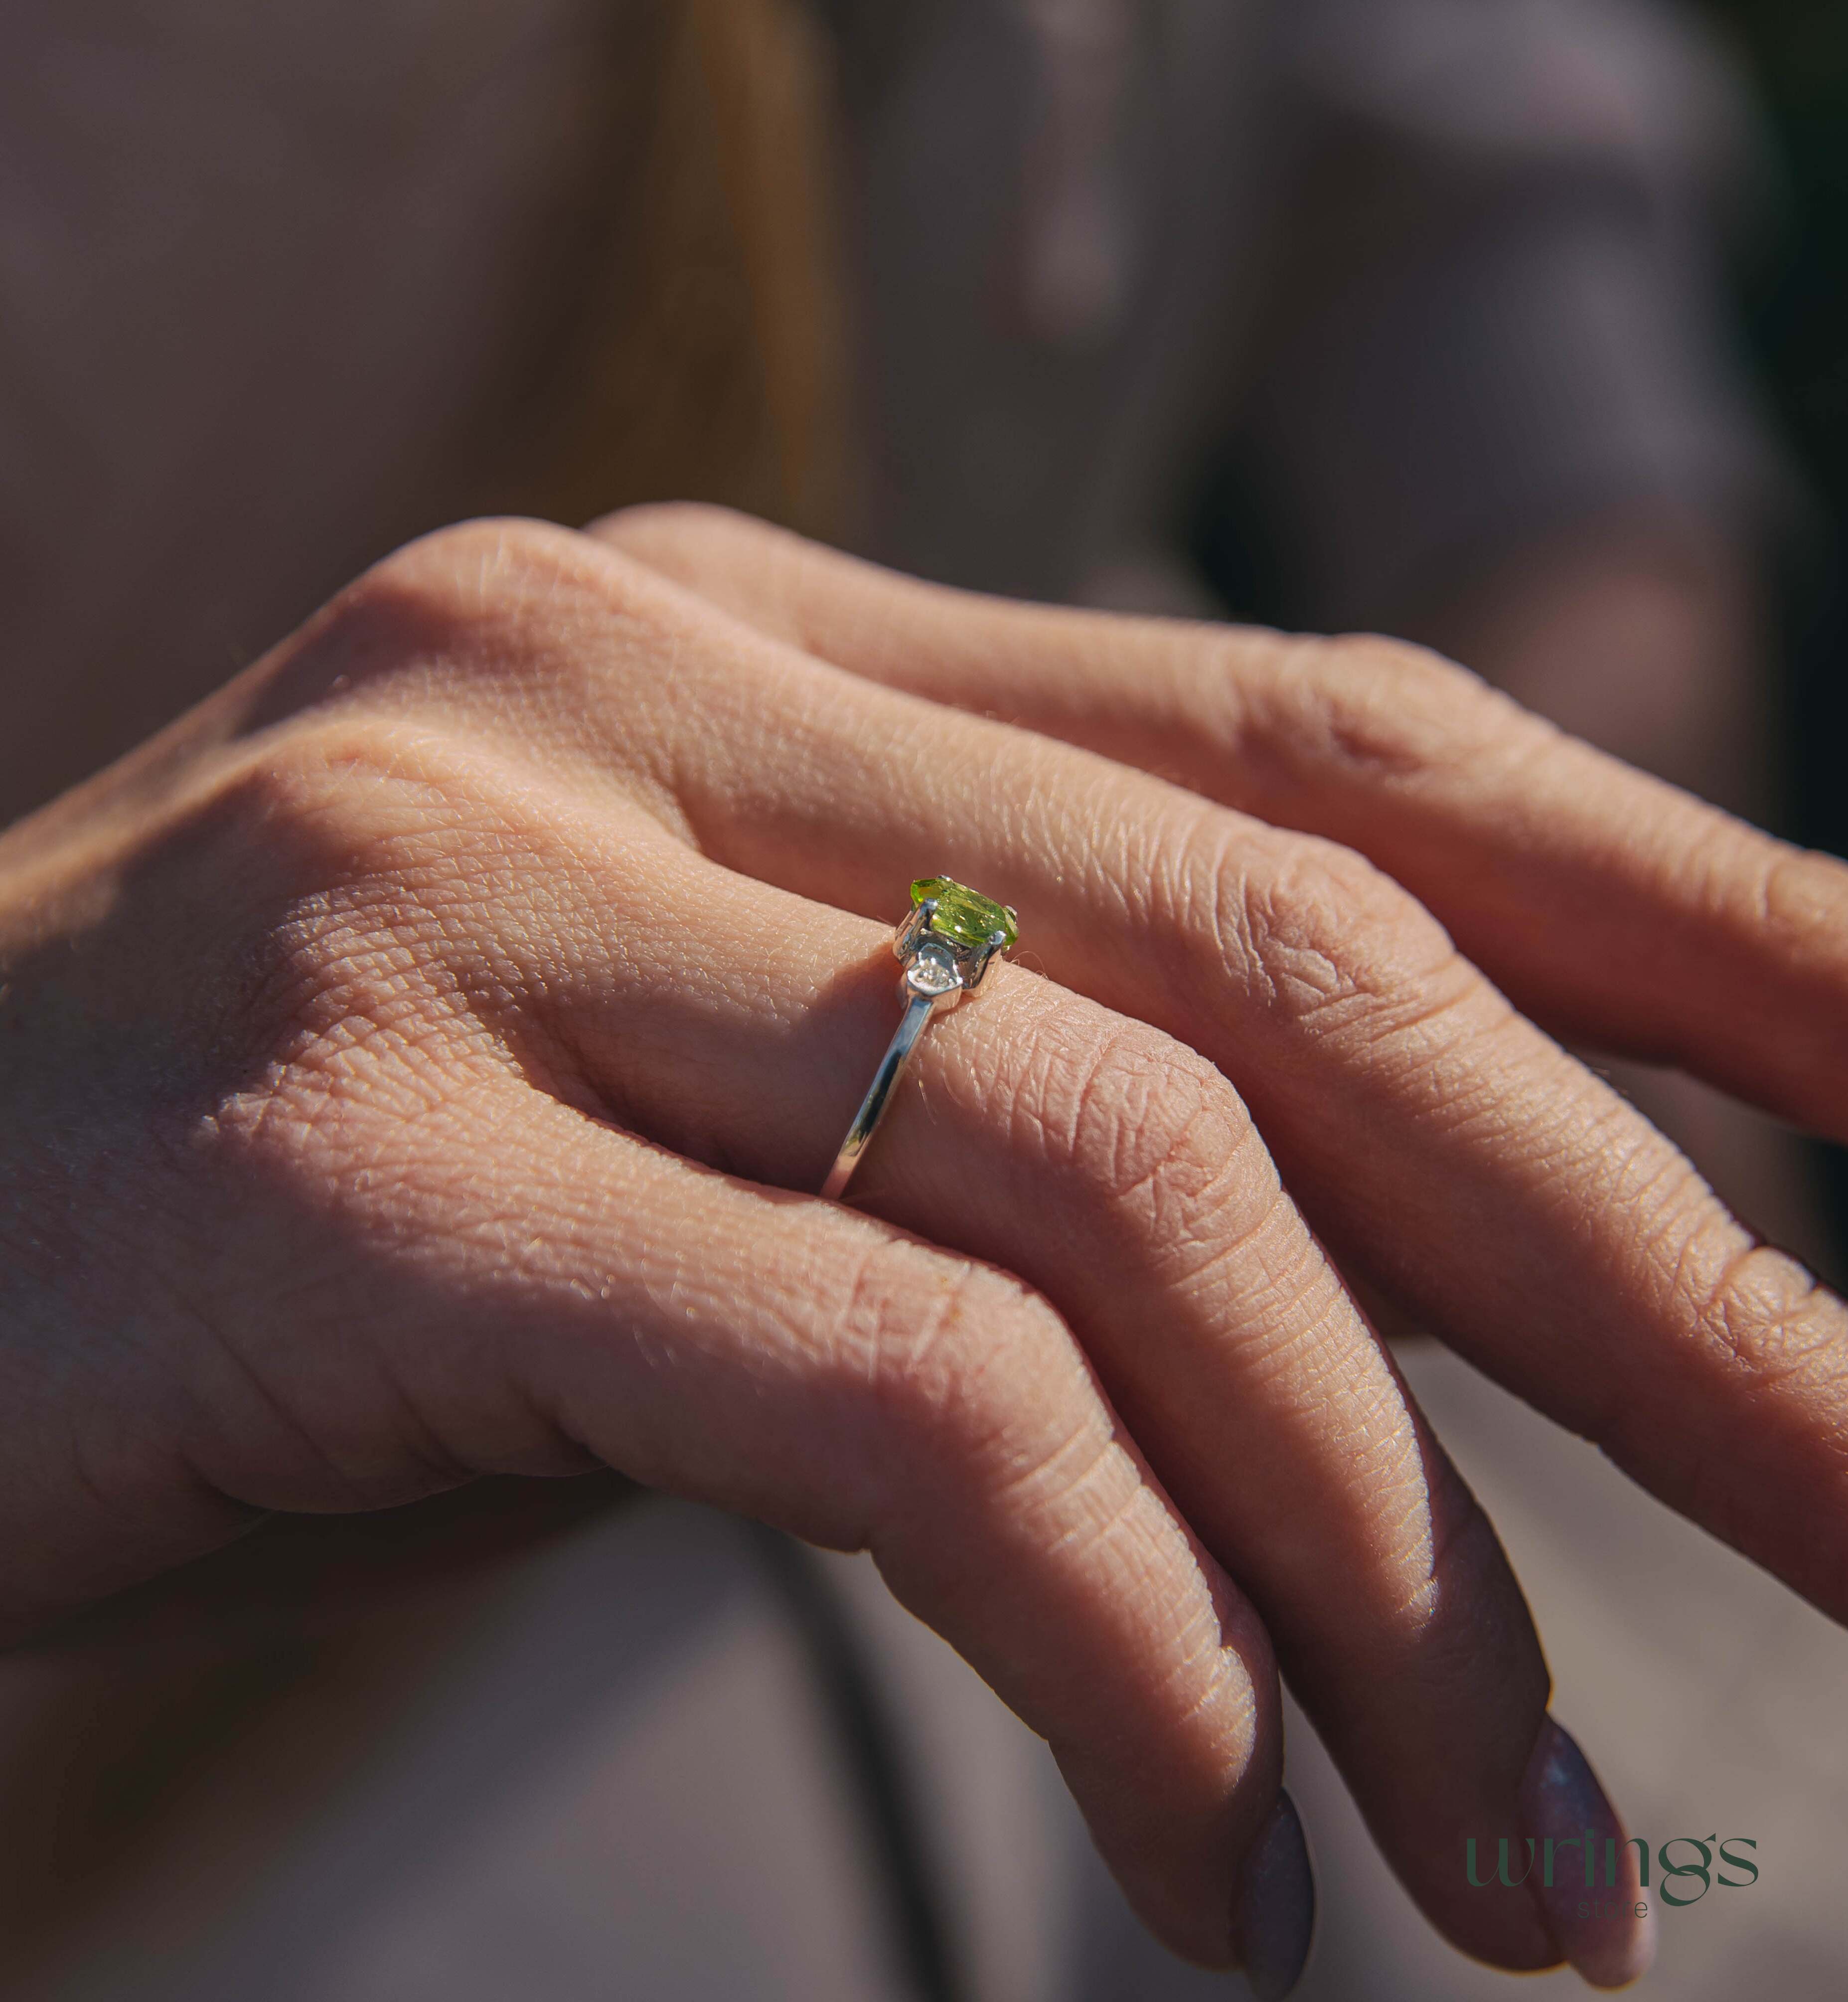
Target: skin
{"x": 414, "y": 1061}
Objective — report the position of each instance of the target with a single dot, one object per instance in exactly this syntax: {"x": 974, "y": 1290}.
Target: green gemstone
{"x": 963, "y": 917}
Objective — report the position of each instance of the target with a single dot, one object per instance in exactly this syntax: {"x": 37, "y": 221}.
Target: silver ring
{"x": 944, "y": 946}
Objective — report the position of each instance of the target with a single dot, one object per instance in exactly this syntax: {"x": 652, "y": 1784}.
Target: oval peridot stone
{"x": 963, "y": 916}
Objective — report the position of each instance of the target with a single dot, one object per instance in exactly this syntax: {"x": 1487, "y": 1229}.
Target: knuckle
{"x": 918, "y": 1326}
{"x": 1762, "y": 1378}
{"x": 492, "y": 601}
{"x": 1165, "y": 1156}
{"x": 1781, "y": 1341}
{"x": 653, "y": 524}
{"x": 964, "y": 1369}
{"x": 1779, "y": 1324}
{"x": 1802, "y": 902}
{"x": 1315, "y": 931}
{"x": 563, "y": 645}
{"x": 464, "y": 571}
{"x": 1133, "y": 1109}
{"x": 427, "y": 597}
{"x": 1386, "y": 709}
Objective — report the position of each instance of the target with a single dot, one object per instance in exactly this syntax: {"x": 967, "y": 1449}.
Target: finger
{"x": 1120, "y": 1175}
{"x": 1620, "y": 912}
{"x": 518, "y": 1274}
{"x": 1447, "y": 1149}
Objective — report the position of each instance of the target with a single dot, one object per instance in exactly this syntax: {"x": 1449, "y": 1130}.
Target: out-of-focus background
{"x": 1516, "y": 326}
{"x": 1790, "y": 291}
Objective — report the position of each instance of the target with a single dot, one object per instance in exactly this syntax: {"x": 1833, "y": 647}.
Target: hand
{"x": 404, "y": 1055}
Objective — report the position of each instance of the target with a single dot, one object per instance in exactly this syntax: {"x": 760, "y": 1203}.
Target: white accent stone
{"x": 932, "y": 970}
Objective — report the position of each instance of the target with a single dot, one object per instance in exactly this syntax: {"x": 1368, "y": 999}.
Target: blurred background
{"x": 1519, "y": 327}
{"x": 1790, "y": 290}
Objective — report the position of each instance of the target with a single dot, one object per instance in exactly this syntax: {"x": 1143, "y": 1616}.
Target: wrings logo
{"x": 1675, "y": 1875}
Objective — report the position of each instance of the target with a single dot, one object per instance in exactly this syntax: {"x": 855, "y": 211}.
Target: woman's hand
{"x": 407, "y": 1057}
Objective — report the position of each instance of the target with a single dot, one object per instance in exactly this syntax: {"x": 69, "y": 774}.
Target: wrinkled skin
{"x": 415, "y": 1061}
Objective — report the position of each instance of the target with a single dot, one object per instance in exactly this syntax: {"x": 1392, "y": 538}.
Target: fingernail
{"x": 1273, "y": 1913}
{"x": 1591, "y": 1904}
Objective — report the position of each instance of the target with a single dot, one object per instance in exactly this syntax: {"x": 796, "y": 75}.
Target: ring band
{"x": 944, "y": 946}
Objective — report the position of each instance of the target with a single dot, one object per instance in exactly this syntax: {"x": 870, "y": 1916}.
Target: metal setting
{"x": 939, "y": 971}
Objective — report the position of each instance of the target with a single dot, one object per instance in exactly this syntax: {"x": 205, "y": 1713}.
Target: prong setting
{"x": 956, "y": 925}
{"x": 945, "y": 945}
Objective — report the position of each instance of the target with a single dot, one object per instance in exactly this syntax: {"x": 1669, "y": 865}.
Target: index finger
{"x": 1618, "y": 912}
